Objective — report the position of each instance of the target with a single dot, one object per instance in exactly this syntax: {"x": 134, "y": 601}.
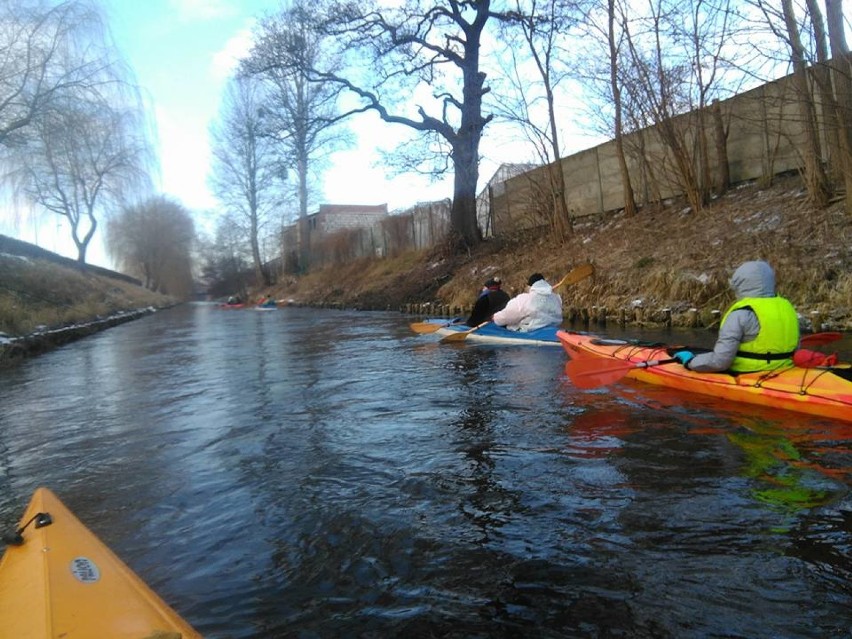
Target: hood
{"x": 753, "y": 279}
{"x": 541, "y": 288}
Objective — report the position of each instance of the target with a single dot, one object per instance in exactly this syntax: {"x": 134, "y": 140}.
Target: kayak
{"x": 62, "y": 581}
{"x": 823, "y": 391}
{"x": 231, "y": 305}
{"x": 492, "y": 334}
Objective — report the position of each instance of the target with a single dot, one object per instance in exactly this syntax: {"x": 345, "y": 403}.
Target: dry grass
{"x": 668, "y": 257}
{"x": 36, "y": 293}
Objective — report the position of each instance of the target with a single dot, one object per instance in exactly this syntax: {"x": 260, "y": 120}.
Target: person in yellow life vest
{"x": 759, "y": 332}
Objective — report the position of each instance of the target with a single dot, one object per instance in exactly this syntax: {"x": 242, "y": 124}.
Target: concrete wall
{"x": 764, "y": 135}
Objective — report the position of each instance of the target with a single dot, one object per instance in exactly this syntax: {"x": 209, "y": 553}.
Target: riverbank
{"x": 666, "y": 265}
{"x": 44, "y": 304}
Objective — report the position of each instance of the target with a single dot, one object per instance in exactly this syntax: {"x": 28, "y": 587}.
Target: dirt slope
{"x": 666, "y": 257}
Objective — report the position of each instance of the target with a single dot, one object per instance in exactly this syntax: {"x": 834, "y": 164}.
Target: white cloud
{"x": 225, "y": 60}
{"x": 185, "y": 159}
{"x": 191, "y": 10}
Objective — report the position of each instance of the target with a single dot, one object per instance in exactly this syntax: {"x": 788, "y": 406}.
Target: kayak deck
{"x": 822, "y": 392}
{"x": 62, "y": 581}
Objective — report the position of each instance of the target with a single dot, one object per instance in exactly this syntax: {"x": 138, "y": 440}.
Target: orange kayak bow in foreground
{"x": 823, "y": 392}
{"x": 57, "y": 579}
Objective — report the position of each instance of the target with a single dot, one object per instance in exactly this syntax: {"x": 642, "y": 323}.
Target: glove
{"x": 684, "y": 357}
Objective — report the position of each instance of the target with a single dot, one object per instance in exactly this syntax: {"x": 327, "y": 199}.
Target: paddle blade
{"x": 461, "y": 335}
{"x": 577, "y": 274}
{"x": 454, "y": 337}
{"x": 820, "y": 339}
{"x": 425, "y": 327}
{"x": 591, "y": 373}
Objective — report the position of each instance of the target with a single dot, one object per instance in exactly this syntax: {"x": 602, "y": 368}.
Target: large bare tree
{"x": 407, "y": 51}
{"x": 302, "y": 117}
{"x": 246, "y": 174}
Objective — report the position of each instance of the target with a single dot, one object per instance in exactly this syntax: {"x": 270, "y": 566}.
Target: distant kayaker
{"x": 759, "y": 332}
{"x": 491, "y": 299}
{"x": 538, "y": 307}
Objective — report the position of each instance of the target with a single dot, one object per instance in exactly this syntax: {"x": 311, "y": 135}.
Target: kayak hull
{"x": 64, "y": 582}
{"x": 493, "y": 334}
{"x": 814, "y": 391}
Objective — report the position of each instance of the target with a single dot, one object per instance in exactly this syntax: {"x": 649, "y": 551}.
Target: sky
{"x": 182, "y": 53}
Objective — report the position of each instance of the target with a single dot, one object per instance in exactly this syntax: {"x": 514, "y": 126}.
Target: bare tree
{"x": 246, "y": 174}
{"x": 421, "y": 44}
{"x": 841, "y": 75}
{"x": 815, "y": 178}
{"x": 86, "y": 156}
{"x": 613, "y": 37}
{"x": 540, "y": 25}
{"x": 46, "y": 53}
{"x": 301, "y": 117}
{"x": 226, "y": 265}
{"x": 154, "y": 241}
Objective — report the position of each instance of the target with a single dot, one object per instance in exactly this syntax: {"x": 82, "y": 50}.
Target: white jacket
{"x": 536, "y": 309}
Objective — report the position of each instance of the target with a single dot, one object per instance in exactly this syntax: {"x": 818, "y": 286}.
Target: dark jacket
{"x": 486, "y": 305}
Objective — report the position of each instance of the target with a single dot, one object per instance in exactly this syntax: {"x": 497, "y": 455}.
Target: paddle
{"x": 575, "y": 275}
{"x": 428, "y": 327}
{"x": 820, "y": 339}
{"x": 591, "y": 373}
{"x": 461, "y": 335}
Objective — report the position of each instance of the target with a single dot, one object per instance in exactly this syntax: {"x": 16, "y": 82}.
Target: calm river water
{"x": 306, "y": 473}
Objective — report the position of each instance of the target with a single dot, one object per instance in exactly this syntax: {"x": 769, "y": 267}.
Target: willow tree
{"x": 154, "y": 241}
{"x": 47, "y": 52}
{"x": 87, "y": 156}
{"x": 70, "y": 116}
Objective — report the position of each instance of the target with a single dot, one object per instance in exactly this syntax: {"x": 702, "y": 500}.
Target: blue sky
{"x": 182, "y": 52}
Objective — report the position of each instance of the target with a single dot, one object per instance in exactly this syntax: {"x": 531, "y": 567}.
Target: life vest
{"x": 779, "y": 335}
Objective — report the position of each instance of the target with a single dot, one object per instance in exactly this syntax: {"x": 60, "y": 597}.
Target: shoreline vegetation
{"x": 665, "y": 266}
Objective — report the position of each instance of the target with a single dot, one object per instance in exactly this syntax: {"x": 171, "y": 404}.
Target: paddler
{"x": 492, "y": 298}
{"x": 538, "y": 307}
{"x": 759, "y": 332}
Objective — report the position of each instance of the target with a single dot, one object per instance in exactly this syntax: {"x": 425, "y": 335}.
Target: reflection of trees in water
{"x": 481, "y": 498}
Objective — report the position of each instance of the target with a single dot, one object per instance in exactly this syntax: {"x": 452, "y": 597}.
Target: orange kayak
{"x": 61, "y": 581}
{"x": 823, "y": 392}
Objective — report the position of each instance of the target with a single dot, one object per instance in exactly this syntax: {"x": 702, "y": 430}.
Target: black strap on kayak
{"x": 766, "y": 357}
{"x": 40, "y": 519}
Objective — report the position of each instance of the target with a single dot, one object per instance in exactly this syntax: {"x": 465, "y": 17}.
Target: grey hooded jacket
{"x": 751, "y": 279}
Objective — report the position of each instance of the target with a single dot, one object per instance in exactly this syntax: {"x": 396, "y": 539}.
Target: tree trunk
{"x": 841, "y": 70}
{"x": 721, "y": 140}
{"x": 815, "y": 179}
{"x": 626, "y": 186}
{"x": 828, "y": 104}
{"x": 304, "y": 235}
{"x": 463, "y": 212}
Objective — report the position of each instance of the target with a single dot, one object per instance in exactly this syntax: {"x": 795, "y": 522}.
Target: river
{"x": 308, "y": 473}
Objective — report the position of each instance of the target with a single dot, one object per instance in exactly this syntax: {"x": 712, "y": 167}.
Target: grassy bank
{"x": 43, "y": 304}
